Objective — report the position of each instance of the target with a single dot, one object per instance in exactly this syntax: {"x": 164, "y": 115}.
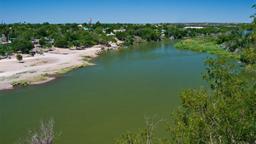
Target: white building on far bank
{"x": 193, "y": 27}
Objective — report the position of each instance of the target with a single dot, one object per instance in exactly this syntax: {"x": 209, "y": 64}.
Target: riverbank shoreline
{"x": 40, "y": 69}
{"x": 205, "y": 45}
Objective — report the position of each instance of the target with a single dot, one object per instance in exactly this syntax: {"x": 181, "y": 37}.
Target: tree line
{"x": 22, "y": 35}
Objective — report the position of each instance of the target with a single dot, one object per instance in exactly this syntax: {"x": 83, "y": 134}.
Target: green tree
{"x": 24, "y": 46}
{"x": 61, "y": 42}
{"x": 148, "y": 33}
{"x": 42, "y": 42}
{"x": 5, "y": 50}
{"x": 224, "y": 115}
{"x": 121, "y": 36}
{"x": 144, "y": 136}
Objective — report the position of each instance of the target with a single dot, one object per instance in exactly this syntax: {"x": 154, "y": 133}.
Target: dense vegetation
{"x": 228, "y": 44}
{"x": 204, "y": 45}
{"x": 21, "y": 37}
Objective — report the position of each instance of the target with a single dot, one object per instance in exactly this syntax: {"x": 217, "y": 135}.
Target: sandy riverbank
{"x": 43, "y": 68}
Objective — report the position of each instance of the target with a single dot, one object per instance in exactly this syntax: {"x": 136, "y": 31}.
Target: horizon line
{"x": 3, "y": 23}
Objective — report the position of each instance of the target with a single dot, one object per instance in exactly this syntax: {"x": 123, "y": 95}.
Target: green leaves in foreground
{"x": 144, "y": 136}
{"x": 224, "y": 115}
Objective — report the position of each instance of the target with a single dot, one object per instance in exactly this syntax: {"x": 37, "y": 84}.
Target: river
{"x": 96, "y": 104}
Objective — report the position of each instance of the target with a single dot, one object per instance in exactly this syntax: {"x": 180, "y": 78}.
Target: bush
{"x": 24, "y": 46}
{"x": 42, "y": 42}
{"x": 224, "y": 115}
{"x": 249, "y": 56}
{"x": 5, "y": 50}
{"x": 61, "y": 43}
{"x": 19, "y": 57}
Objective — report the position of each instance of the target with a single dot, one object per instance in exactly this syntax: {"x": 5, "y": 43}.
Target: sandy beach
{"x": 43, "y": 68}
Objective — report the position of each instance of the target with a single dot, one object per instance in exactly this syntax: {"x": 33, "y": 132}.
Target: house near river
{"x": 193, "y": 27}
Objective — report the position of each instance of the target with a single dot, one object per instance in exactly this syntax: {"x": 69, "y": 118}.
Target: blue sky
{"x": 125, "y": 11}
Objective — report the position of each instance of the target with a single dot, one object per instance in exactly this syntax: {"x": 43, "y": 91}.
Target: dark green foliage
{"x": 61, "y": 42}
{"x": 144, "y": 136}
{"x": 22, "y": 46}
{"x": 74, "y": 35}
{"x": 5, "y": 50}
{"x": 129, "y": 41}
{"x": 43, "y": 42}
{"x": 224, "y": 115}
{"x": 148, "y": 34}
{"x": 176, "y": 33}
{"x": 121, "y": 36}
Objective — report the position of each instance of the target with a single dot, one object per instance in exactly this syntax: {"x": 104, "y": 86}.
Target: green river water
{"x": 96, "y": 104}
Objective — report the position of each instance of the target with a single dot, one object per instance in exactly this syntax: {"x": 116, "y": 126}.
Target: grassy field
{"x": 204, "y": 45}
